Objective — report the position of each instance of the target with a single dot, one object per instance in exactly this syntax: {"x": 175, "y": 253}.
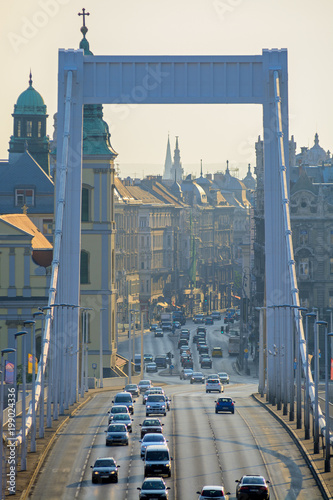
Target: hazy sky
{"x": 32, "y": 32}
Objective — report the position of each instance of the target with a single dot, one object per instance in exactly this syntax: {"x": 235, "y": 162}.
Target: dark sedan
{"x": 104, "y": 469}
{"x": 197, "y": 378}
{"x": 252, "y": 487}
{"x": 151, "y": 425}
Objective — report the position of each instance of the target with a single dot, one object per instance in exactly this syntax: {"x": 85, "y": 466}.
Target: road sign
{"x": 94, "y": 366}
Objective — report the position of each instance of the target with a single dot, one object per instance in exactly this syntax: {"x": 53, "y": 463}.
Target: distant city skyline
{"x": 32, "y": 32}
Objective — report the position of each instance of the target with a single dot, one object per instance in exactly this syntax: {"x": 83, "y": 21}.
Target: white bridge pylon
{"x": 173, "y": 80}
{"x": 186, "y": 80}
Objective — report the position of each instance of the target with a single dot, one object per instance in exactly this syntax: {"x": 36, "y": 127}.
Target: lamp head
{"x": 29, "y": 322}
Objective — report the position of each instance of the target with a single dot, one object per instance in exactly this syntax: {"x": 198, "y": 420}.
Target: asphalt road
{"x": 206, "y": 448}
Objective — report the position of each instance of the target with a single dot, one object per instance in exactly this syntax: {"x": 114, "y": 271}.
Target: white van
{"x": 157, "y": 461}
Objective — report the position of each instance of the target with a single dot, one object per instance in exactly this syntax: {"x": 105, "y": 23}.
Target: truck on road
{"x": 234, "y": 346}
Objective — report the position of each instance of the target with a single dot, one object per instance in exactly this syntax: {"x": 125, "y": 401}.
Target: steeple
{"x": 84, "y": 44}
{"x": 96, "y": 135}
{"x": 168, "y": 163}
{"x": 30, "y": 128}
{"x": 177, "y": 165}
{"x": 201, "y": 169}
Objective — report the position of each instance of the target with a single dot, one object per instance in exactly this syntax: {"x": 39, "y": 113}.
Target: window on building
{"x": 29, "y": 128}
{"x": 304, "y": 267}
{"x": 303, "y": 237}
{"x": 330, "y": 299}
{"x": 39, "y": 129}
{"x": 142, "y": 265}
{"x": 47, "y": 226}
{"x": 85, "y": 205}
{"x": 24, "y": 197}
{"x": 18, "y": 128}
{"x": 84, "y": 269}
{"x": 147, "y": 286}
{"x": 331, "y": 237}
{"x": 331, "y": 265}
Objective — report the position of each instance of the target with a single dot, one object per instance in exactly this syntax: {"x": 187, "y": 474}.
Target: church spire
{"x": 201, "y": 169}
{"x": 30, "y": 78}
{"x": 84, "y": 44}
{"x": 167, "y": 175}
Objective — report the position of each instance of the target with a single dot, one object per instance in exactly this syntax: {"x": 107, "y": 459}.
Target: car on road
{"x": 186, "y": 374}
{"x": 224, "y": 377}
{"x": 153, "y": 327}
{"x": 214, "y": 384}
{"x": 153, "y": 390}
{"x": 176, "y": 324}
{"x": 151, "y": 367}
{"x": 224, "y": 404}
{"x": 216, "y": 315}
{"x": 209, "y": 320}
{"x": 115, "y": 410}
{"x": 151, "y": 438}
{"x": 252, "y": 486}
{"x": 217, "y": 352}
{"x": 157, "y": 461}
{"x": 205, "y": 361}
{"x": 117, "y": 434}
{"x": 151, "y": 425}
{"x": 154, "y": 487}
{"x": 147, "y": 358}
{"x": 124, "y": 399}
{"x": 133, "y": 389}
{"x": 144, "y": 385}
{"x": 212, "y": 491}
{"x": 161, "y": 361}
{"x": 123, "y": 418}
{"x": 185, "y": 333}
{"x": 104, "y": 469}
{"x": 197, "y": 378}
{"x": 159, "y": 332}
{"x": 199, "y": 318}
{"x": 156, "y": 404}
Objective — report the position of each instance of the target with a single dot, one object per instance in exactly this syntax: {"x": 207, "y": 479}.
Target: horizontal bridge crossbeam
{"x": 173, "y": 79}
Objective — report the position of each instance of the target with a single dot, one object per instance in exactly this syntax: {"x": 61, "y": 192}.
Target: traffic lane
{"x": 127, "y": 458}
{"x": 61, "y": 473}
{"x": 252, "y": 442}
{"x": 220, "y": 448}
{"x": 196, "y": 461}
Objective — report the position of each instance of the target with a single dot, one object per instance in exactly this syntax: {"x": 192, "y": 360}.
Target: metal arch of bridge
{"x": 173, "y": 80}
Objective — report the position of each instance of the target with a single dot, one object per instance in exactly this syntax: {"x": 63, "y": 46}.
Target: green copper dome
{"x": 30, "y": 102}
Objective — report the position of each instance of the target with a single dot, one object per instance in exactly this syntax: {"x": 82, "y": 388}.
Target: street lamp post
{"x": 101, "y": 347}
{"x": 316, "y": 368}
{"x": 41, "y": 398}
{"x": 299, "y": 375}
{"x": 130, "y": 347}
{"x": 327, "y": 409}
{"x": 16, "y": 335}
{"x": 24, "y": 379}
{"x": 307, "y": 384}
{"x": 33, "y": 386}
{"x": 2, "y": 468}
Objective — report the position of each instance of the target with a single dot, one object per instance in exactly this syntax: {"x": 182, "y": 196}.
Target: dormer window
{"x": 24, "y": 197}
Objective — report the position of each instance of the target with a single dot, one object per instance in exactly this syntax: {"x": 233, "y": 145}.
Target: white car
{"x": 224, "y": 377}
{"x": 214, "y": 384}
{"x": 212, "y": 491}
{"x": 115, "y": 410}
{"x": 151, "y": 438}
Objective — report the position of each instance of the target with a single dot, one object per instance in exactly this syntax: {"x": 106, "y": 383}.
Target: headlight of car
{"x": 163, "y": 407}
